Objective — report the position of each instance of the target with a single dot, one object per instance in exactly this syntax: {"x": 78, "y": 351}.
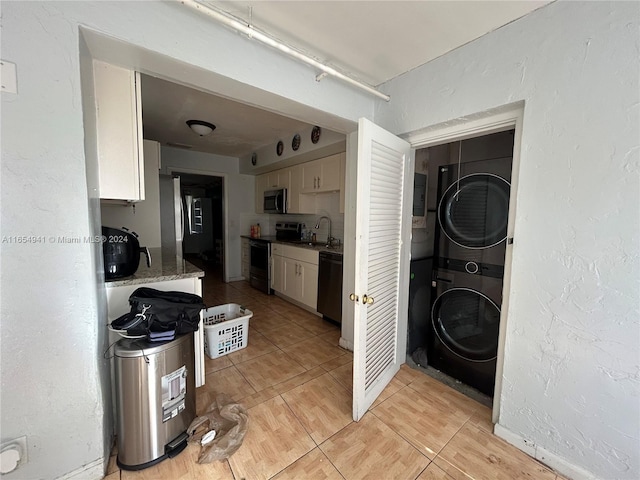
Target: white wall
{"x": 239, "y": 195}
{"x": 572, "y": 347}
{"x": 52, "y": 311}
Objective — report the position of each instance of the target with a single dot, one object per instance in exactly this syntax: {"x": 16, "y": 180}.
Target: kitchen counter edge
{"x": 317, "y": 247}
{"x": 164, "y": 267}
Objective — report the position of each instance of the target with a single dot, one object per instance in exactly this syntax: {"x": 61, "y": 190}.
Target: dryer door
{"x": 467, "y": 323}
{"x": 474, "y": 210}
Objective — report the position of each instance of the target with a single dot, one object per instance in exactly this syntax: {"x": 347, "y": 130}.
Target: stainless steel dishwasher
{"x": 330, "y": 286}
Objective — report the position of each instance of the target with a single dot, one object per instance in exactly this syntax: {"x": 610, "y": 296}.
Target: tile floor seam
{"x": 389, "y": 397}
{"x": 424, "y": 469}
{"x": 299, "y": 420}
{"x": 247, "y": 380}
{"x": 303, "y": 427}
{"x": 465, "y": 474}
{"x": 401, "y": 436}
{"x": 452, "y": 437}
{"x": 325, "y": 453}
{"x": 329, "y": 460}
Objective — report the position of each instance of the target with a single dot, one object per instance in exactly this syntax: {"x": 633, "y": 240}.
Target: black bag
{"x": 160, "y": 316}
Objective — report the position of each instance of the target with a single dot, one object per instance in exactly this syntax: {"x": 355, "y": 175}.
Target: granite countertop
{"x": 164, "y": 266}
{"x": 318, "y": 246}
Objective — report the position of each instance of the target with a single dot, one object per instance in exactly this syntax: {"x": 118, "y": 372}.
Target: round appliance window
{"x": 467, "y": 323}
{"x": 474, "y": 210}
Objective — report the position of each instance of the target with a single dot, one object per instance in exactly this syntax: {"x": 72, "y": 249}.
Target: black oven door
{"x": 259, "y": 272}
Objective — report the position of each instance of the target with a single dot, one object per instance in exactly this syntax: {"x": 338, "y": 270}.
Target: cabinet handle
{"x": 353, "y": 297}
{"x": 315, "y": 179}
{"x": 318, "y": 182}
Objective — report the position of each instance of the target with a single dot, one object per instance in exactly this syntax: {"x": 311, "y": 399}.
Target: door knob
{"x": 367, "y": 300}
{"x": 353, "y": 297}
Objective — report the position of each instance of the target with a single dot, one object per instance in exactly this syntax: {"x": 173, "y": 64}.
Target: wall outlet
{"x": 8, "y": 77}
{"x": 8, "y": 455}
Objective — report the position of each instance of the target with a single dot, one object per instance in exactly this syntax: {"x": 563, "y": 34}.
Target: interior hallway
{"x": 296, "y": 384}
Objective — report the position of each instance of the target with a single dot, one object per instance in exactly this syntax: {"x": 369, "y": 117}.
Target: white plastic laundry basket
{"x": 226, "y": 329}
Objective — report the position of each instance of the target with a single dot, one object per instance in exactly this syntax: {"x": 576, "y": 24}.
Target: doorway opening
{"x": 460, "y": 293}
{"x": 456, "y": 291}
{"x": 203, "y": 243}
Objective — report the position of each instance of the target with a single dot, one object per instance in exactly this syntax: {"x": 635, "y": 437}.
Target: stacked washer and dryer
{"x": 472, "y": 197}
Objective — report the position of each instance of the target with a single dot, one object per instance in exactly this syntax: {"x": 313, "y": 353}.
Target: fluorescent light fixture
{"x": 231, "y": 21}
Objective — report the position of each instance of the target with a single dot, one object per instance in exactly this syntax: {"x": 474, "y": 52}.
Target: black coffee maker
{"x": 121, "y": 251}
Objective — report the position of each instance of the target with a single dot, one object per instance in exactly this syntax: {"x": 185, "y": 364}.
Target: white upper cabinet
{"x": 119, "y": 132}
{"x": 325, "y": 175}
{"x": 261, "y": 187}
{"x": 322, "y": 175}
{"x": 293, "y": 195}
{"x": 277, "y": 179}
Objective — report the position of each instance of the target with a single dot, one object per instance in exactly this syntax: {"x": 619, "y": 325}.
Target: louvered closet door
{"x": 383, "y": 229}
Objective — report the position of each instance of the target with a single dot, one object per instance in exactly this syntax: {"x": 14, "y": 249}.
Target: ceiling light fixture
{"x": 200, "y": 127}
{"x": 231, "y": 21}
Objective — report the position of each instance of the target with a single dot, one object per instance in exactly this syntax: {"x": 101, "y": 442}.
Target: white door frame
{"x": 497, "y": 120}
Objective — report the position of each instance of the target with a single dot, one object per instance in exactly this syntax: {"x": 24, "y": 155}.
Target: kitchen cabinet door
{"x": 322, "y": 175}
{"x": 119, "y": 132}
{"x": 290, "y": 278}
{"x": 308, "y": 284}
{"x": 311, "y": 172}
{"x": 294, "y": 190}
{"x": 277, "y": 273}
{"x": 273, "y": 180}
{"x": 330, "y": 173}
{"x": 261, "y": 186}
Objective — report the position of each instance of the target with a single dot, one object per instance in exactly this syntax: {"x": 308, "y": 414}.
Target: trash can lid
{"x": 136, "y": 347}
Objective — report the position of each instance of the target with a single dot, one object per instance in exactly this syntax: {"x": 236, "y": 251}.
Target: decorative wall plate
{"x": 254, "y": 158}
{"x": 279, "y": 148}
{"x": 295, "y": 143}
{"x": 315, "y": 134}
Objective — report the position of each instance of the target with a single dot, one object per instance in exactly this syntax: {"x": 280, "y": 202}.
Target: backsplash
{"x": 327, "y": 205}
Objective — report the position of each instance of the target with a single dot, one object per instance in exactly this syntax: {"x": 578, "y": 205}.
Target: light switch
{"x": 8, "y": 77}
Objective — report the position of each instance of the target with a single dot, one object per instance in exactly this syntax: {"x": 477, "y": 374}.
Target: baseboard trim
{"x": 90, "y": 471}
{"x": 551, "y": 460}
{"x": 346, "y": 344}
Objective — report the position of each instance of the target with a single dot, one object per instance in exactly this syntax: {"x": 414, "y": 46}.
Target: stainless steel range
{"x": 260, "y": 256}
{"x": 288, "y": 231}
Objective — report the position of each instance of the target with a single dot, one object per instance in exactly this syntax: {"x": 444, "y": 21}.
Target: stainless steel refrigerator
{"x": 182, "y": 217}
{"x": 171, "y": 215}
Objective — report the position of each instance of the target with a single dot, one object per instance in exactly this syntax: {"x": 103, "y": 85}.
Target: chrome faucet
{"x": 329, "y": 237}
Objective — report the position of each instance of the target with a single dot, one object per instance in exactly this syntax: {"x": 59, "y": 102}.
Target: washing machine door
{"x": 467, "y": 323}
{"x": 473, "y": 212}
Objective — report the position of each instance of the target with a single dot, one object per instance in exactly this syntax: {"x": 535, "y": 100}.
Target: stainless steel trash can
{"x": 155, "y": 399}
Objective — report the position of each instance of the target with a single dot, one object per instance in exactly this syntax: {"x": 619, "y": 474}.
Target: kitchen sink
{"x": 314, "y": 245}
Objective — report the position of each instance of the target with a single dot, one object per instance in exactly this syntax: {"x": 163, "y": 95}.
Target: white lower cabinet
{"x": 277, "y": 272}
{"x": 295, "y": 273}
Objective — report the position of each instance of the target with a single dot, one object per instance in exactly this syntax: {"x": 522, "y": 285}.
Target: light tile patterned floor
{"x": 296, "y": 384}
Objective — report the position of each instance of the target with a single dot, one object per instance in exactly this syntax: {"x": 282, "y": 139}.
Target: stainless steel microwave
{"x": 275, "y": 201}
